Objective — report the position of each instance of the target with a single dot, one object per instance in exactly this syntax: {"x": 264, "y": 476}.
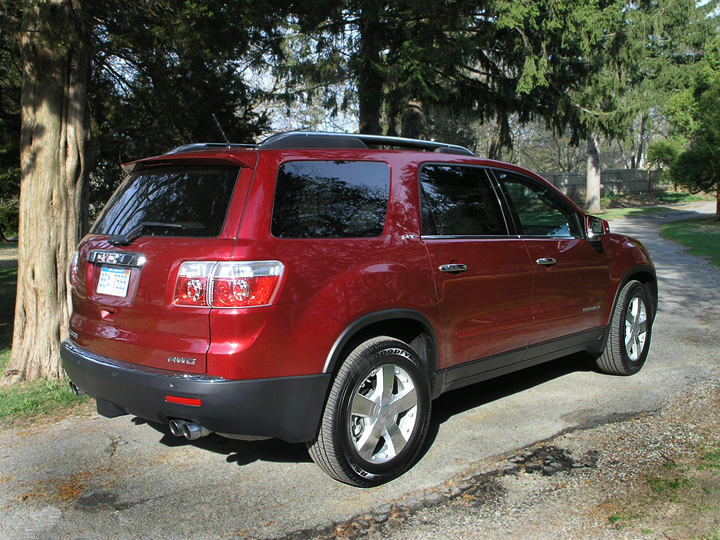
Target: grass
{"x": 619, "y": 206}
{"x": 615, "y": 213}
{"x": 681, "y": 495}
{"x": 701, "y": 236}
{"x": 25, "y": 403}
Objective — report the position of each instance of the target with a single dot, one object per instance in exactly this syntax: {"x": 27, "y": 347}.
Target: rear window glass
{"x": 176, "y": 202}
{"x": 331, "y": 199}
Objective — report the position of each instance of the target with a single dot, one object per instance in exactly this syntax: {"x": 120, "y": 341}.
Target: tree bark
{"x": 592, "y": 187}
{"x": 413, "y": 121}
{"x": 638, "y": 158}
{"x": 369, "y": 70}
{"x": 55, "y": 150}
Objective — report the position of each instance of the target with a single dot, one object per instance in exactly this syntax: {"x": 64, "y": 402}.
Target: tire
{"x": 630, "y": 332}
{"x": 369, "y": 436}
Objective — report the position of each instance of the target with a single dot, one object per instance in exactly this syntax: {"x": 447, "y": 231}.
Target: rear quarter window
{"x": 190, "y": 201}
{"x": 331, "y": 199}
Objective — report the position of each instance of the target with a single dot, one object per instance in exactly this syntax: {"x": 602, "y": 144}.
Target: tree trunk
{"x": 413, "y": 121}
{"x": 638, "y": 158}
{"x": 54, "y": 157}
{"x": 592, "y": 189}
{"x": 369, "y": 71}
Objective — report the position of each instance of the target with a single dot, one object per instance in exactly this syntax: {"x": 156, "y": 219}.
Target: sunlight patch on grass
{"x": 699, "y": 235}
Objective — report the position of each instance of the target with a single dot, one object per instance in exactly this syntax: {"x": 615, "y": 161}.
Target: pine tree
{"x": 160, "y": 68}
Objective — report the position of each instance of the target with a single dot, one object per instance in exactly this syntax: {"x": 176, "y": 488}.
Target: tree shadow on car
{"x": 475, "y": 395}
{"x": 237, "y": 451}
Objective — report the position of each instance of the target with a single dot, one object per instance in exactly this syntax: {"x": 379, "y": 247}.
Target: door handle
{"x": 453, "y": 268}
{"x": 546, "y": 261}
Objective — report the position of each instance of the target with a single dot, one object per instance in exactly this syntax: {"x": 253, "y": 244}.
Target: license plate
{"x": 114, "y": 281}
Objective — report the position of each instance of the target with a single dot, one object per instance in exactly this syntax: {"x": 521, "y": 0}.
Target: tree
{"x": 693, "y": 151}
{"x": 55, "y": 159}
{"x": 10, "y": 83}
{"x": 580, "y": 66}
{"x": 151, "y": 66}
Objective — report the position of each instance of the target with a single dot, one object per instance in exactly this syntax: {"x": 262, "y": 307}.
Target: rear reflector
{"x": 228, "y": 284}
{"x": 74, "y": 270}
{"x": 184, "y": 401}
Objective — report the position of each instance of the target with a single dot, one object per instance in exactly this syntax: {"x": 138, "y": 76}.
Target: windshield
{"x": 176, "y": 202}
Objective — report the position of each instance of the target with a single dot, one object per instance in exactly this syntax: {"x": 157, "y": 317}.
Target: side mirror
{"x": 596, "y": 227}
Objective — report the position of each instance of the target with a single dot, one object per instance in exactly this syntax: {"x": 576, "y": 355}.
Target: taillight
{"x": 74, "y": 270}
{"x": 228, "y": 284}
{"x": 191, "y": 287}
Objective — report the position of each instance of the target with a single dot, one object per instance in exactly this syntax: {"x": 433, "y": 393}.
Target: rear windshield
{"x": 177, "y": 202}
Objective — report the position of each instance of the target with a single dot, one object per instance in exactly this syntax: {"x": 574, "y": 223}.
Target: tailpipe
{"x": 75, "y": 390}
{"x": 190, "y": 430}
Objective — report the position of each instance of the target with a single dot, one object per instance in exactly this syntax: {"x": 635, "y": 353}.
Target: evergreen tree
{"x": 591, "y": 68}
{"x": 158, "y": 67}
{"x": 692, "y": 153}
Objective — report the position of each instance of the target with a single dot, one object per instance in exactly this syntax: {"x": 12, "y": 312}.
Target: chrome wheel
{"x": 636, "y": 325}
{"x": 629, "y": 333}
{"x": 383, "y": 413}
{"x": 376, "y": 415}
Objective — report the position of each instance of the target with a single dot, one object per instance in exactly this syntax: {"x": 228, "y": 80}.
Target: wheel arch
{"x": 409, "y": 326}
{"x": 645, "y": 275}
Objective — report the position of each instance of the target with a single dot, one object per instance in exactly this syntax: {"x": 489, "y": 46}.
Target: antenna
{"x": 217, "y": 123}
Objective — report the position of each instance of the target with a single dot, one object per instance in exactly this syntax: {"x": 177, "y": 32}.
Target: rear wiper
{"x": 137, "y": 231}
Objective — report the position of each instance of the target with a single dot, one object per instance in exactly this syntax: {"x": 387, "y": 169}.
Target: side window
{"x": 331, "y": 199}
{"x": 538, "y": 210}
{"x": 459, "y": 201}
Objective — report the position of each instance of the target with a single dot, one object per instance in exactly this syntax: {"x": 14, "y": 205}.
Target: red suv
{"x": 325, "y": 288}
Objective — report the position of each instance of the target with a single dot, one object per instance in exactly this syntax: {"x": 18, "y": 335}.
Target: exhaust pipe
{"x": 190, "y": 430}
{"x": 193, "y": 431}
{"x": 75, "y": 390}
{"x": 176, "y": 427}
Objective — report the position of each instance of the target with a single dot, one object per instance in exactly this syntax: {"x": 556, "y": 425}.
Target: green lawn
{"x": 26, "y": 402}
{"x": 615, "y": 213}
{"x": 619, "y": 206}
{"x": 701, "y": 236}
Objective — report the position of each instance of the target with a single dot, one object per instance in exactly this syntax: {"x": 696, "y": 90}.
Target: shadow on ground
{"x": 445, "y": 407}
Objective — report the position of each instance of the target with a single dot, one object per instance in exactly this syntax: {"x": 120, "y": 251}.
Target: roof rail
{"x": 312, "y": 139}
{"x": 320, "y": 139}
{"x": 198, "y": 147}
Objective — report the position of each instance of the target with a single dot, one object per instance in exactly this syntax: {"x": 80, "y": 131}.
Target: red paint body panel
{"x": 487, "y": 309}
{"x": 503, "y": 302}
{"x": 570, "y": 296}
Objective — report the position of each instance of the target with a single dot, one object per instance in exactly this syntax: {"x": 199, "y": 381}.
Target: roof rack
{"x": 198, "y": 147}
{"x": 319, "y": 139}
{"x": 312, "y": 139}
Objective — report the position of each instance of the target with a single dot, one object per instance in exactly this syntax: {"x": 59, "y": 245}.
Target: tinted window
{"x": 537, "y": 209}
{"x": 195, "y": 201}
{"x": 459, "y": 201}
{"x": 331, "y": 199}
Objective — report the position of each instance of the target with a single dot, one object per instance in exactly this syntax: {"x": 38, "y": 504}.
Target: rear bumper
{"x": 287, "y": 408}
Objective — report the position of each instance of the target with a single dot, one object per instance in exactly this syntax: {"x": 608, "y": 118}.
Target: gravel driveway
{"x": 550, "y": 452}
